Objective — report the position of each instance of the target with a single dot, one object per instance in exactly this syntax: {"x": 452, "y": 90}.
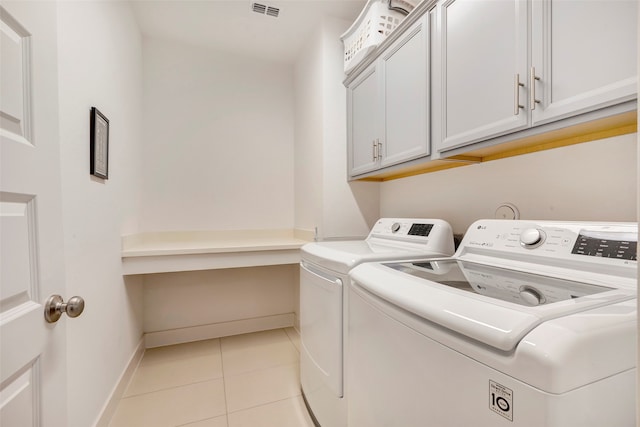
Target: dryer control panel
{"x": 420, "y": 232}
{"x": 388, "y": 227}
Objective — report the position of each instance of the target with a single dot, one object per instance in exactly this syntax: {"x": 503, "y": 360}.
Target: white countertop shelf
{"x": 172, "y": 251}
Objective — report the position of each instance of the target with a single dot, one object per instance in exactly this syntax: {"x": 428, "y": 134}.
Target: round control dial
{"x": 532, "y": 238}
{"x": 531, "y": 296}
{"x": 395, "y": 227}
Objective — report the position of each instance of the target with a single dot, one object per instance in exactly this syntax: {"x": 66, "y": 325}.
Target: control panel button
{"x": 532, "y": 237}
{"x": 395, "y": 227}
{"x": 531, "y": 296}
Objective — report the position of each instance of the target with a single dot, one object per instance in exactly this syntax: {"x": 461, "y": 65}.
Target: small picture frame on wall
{"x": 99, "y": 151}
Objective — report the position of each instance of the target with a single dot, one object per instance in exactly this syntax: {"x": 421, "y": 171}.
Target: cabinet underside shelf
{"x": 619, "y": 124}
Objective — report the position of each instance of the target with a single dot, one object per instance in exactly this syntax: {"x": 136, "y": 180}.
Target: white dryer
{"x": 529, "y": 324}
{"x": 324, "y": 272}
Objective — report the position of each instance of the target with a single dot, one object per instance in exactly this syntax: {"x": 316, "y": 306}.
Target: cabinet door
{"x": 404, "y": 68}
{"x": 363, "y": 122}
{"x": 482, "y": 49}
{"x": 584, "y": 54}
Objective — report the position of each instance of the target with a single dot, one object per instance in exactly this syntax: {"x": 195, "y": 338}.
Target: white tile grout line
{"x": 252, "y": 371}
{"x": 291, "y": 339}
{"x": 224, "y": 383}
{"x": 173, "y": 387}
{"x": 263, "y": 404}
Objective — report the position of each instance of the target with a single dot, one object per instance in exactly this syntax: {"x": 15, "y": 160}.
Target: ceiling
{"x": 232, "y": 25}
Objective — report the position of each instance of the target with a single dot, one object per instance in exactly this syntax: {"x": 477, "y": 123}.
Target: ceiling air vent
{"x": 259, "y": 8}
{"x": 265, "y": 10}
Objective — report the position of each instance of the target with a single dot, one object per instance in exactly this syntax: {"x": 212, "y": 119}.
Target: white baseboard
{"x": 217, "y": 330}
{"x": 112, "y": 403}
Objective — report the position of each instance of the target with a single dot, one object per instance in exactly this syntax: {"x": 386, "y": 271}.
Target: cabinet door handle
{"x": 379, "y": 149}
{"x": 375, "y": 150}
{"x": 533, "y": 101}
{"x": 516, "y": 96}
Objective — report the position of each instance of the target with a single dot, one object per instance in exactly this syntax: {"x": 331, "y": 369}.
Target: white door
{"x": 32, "y": 351}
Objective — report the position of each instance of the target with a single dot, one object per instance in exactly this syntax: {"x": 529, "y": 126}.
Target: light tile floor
{"x": 249, "y": 380}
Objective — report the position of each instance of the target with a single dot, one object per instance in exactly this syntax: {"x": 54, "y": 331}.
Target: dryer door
{"x": 320, "y": 329}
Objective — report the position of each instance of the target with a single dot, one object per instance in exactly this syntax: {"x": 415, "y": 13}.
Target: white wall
{"x": 221, "y": 296}
{"x": 323, "y": 197}
{"x": 218, "y": 154}
{"x": 349, "y": 208}
{"x": 218, "y": 140}
{"x": 309, "y": 131}
{"x": 594, "y": 181}
{"x": 99, "y": 65}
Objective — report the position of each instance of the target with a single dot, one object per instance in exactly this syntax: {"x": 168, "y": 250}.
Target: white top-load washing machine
{"x": 529, "y": 324}
{"x": 324, "y": 272}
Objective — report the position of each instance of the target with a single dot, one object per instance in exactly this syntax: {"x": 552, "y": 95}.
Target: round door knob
{"x": 75, "y": 306}
{"x": 395, "y": 227}
{"x": 532, "y": 237}
{"x": 55, "y": 307}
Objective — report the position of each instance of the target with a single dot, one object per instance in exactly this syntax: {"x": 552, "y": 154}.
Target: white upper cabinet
{"x": 469, "y": 74}
{"x": 363, "y": 118}
{"x": 583, "y": 56}
{"x": 481, "y": 53}
{"x": 507, "y": 65}
{"x": 405, "y": 94}
{"x": 387, "y": 105}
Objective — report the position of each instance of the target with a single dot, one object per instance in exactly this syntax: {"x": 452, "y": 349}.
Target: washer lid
{"x": 503, "y": 284}
{"x": 482, "y": 302}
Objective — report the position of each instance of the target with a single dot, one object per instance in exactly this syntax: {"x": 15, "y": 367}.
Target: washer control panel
{"x": 605, "y": 245}
{"x": 560, "y": 240}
